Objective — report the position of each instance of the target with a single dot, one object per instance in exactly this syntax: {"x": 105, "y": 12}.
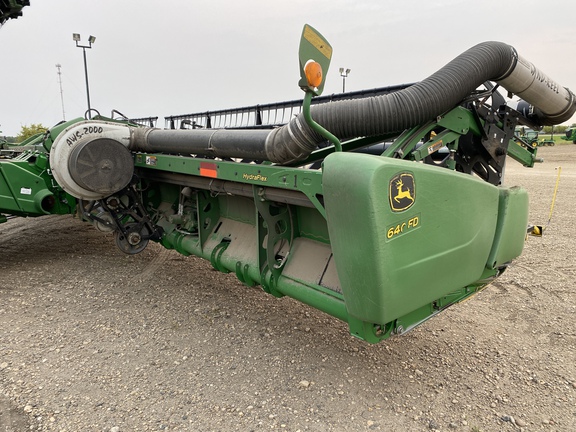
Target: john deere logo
{"x": 402, "y": 192}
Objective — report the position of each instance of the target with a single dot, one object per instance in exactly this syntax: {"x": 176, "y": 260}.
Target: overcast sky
{"x": 158, "y": 58}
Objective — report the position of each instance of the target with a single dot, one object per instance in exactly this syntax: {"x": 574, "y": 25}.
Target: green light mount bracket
{"x": 314, "y": 54}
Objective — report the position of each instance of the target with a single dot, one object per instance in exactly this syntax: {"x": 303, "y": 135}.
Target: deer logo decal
{"x": 402, "y": 191}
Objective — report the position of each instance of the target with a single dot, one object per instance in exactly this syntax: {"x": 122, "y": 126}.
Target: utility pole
{"x": 58, "y": 66}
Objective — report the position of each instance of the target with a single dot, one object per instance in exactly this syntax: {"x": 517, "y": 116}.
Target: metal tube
{"x": 247, "y": 144}
{"x": 529, "y": 83}
{"x": 308, "y": 294}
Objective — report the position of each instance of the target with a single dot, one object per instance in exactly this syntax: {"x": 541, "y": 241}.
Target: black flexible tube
{"x": 494, "y": 61}
{"x": 379, "y": 115}
{"x": 373, "y": 116}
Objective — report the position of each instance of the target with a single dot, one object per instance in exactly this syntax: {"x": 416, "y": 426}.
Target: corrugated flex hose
{"x": 379, "y": 115}
{"x": 494, "y": 61}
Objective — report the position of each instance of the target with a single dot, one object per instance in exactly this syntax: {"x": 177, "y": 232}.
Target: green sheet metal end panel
{"x": 511, "y": 229}
{"x": 26, "y": 188}
{"x": 22, "y": 191}
{"x": 405, "y": 234}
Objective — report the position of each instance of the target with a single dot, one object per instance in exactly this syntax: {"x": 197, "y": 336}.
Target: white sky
{"x": 158, "y": 58}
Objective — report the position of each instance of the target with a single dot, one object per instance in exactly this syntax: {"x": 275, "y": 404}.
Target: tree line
{"x": 558, "y": 129}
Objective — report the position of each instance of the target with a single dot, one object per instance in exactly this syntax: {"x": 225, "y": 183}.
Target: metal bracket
{"x": 208, "y": 210}
{"x": 275, "y": 231}
{"x": 317, "y": 128}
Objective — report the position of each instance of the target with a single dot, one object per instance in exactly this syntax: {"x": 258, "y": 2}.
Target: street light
{"x": 91, "y": 40}
{"x": 344, "y": 74}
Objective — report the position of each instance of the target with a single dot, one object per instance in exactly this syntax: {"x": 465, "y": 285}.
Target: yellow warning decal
{"x": 317, "y": 41}
{"x": 435, "y": 147}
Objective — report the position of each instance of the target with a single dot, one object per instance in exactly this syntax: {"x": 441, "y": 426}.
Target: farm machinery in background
{"x": 530, "y": 138}
{"x": 571, "y": 134}
{"x": 381, "y": 209}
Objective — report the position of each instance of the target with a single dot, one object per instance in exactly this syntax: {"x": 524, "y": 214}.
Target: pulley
{"x": 133, "y": 239}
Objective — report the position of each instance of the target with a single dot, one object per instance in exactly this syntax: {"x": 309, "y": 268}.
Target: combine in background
{"x": 571, "y": 135}
{"x": 381, "y": 209}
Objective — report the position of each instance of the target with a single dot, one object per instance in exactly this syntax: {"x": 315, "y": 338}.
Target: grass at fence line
{"x": 559, "y": 139}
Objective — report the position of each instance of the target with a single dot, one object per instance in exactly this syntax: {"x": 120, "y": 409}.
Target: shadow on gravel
{"x": 12, "y": 419}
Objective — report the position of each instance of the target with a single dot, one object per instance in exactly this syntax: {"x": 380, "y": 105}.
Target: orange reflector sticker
{"x": 208, "y": 169}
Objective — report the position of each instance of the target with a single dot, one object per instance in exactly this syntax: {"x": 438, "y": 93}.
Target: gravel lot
{"x": 94, "y": 340}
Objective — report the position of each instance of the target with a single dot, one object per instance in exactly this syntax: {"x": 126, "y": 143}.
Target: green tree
{"x": 28, "y": 131}
{"x": 558, "y": 129}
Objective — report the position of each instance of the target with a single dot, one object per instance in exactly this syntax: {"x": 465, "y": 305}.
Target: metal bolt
{"x": 134, "y": 238}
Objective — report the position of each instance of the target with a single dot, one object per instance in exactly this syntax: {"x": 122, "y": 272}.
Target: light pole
{"x": 91, "y": 40}
{"x": 344, "y": 74}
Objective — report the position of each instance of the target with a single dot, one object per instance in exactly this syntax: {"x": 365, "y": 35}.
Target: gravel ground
{"x": 94, "y": 340}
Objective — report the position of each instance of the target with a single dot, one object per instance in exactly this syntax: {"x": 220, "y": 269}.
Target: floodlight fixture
{"x": 91, "y": 40}
{"x": 344, "y": 74}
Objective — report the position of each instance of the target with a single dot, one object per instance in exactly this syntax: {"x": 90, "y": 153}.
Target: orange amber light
{"x": 313, "y": 72}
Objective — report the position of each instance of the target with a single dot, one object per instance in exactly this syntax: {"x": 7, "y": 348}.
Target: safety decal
{"x": 435, "y": 147}
{"x": 402, "y": 191}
